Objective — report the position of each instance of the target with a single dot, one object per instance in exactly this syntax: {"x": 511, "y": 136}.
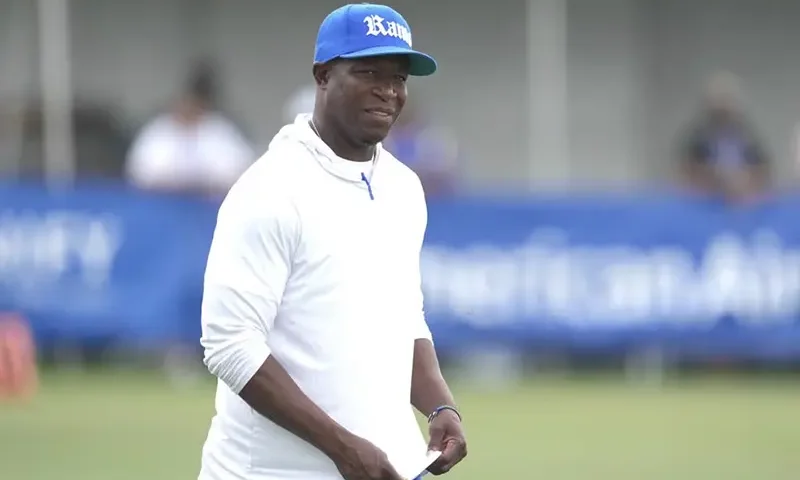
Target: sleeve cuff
{"x": 238, "y": 364}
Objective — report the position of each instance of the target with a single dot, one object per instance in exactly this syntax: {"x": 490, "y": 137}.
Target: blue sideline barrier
{"x": 591, "y": 272}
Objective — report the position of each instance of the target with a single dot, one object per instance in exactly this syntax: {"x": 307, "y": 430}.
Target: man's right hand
{"x": 361, "y": 460}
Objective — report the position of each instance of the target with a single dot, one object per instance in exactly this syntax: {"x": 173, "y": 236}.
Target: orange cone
{"x": 18, "y": 374}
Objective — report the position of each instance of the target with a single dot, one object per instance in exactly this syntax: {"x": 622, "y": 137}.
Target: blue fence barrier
{"x": 591, "y": 272}
{"x": 104, "y": 263}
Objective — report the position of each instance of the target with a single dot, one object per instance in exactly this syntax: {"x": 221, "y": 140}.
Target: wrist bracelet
{"x": 442, "y": 408}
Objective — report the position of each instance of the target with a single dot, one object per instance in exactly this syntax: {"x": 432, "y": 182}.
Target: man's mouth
{"x": 381, "y": 112}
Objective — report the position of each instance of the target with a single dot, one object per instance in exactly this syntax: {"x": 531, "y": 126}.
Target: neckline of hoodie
{"x": 334, "y": 164}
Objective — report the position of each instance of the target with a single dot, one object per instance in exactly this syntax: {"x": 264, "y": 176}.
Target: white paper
{"x": 422, "y": 466}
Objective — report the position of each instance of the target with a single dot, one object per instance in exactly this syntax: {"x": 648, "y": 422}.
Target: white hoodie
{"x": 315, "y": 260}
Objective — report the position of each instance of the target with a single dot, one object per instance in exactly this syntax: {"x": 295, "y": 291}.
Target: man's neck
{"x": 339, "y": 143}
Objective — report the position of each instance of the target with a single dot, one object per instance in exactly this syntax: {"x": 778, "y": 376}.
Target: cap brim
{"x": 420, "y": 64}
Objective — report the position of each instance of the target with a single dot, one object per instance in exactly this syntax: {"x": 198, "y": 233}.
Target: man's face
{"x": 190, "y": 110}
{"x": 723, "y": 106}
{"x": 723, "y": 97}
{"x": 365, "y": 96}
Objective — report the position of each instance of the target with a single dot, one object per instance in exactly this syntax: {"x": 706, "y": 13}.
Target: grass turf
{"x": 134, "y": 426}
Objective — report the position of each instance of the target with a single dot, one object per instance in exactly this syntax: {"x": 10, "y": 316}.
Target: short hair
{"x": 202, "y": 82}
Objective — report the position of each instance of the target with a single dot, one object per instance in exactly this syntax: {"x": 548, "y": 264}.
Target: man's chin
{"x": 374, "y": 136}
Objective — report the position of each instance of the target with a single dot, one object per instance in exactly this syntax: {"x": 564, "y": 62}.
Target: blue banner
{"x": 591, "y": 273}
{"x": 695, "y": 277}
{"x": 104, "y": 263}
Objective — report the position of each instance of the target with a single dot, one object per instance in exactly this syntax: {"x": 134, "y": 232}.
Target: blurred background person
{"x": 428, "y": 149}
{"x": 722, "y": 154}
{"x": 194, "y": 148}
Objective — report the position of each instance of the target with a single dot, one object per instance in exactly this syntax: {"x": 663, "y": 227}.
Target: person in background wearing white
{"x": 312, "y": 313}
{"x": 192, "y": 149}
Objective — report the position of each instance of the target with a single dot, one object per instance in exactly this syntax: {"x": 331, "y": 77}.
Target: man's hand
{"x": 361, "y": 460}
{"x": 446, "y": 436}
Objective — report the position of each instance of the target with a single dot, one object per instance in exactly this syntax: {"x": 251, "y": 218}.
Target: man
{"x": 722, "y": 154}
{"x": 312, "y": 309}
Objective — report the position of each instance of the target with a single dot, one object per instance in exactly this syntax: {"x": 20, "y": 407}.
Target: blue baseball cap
{"x": 367, "y": 30}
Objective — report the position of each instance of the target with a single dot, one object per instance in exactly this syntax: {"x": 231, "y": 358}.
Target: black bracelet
{"x": 439, "y": 410}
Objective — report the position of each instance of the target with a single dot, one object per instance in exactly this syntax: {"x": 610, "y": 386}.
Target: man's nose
{"x": 387, "y": 90}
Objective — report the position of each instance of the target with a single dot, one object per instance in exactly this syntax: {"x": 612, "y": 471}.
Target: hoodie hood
{"x": 301, "y": 132}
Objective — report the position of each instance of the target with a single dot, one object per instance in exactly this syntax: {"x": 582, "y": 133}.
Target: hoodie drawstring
{"x": 369, "y": 187}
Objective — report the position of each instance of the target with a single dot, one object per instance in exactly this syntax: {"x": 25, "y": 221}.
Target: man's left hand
{"x": 446, "y": 436}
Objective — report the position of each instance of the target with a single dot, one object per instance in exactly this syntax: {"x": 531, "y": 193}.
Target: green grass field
{"x": 134, "y": 427}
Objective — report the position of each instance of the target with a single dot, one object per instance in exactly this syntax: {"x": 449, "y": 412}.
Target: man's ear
{"x": 322, "y": 74}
